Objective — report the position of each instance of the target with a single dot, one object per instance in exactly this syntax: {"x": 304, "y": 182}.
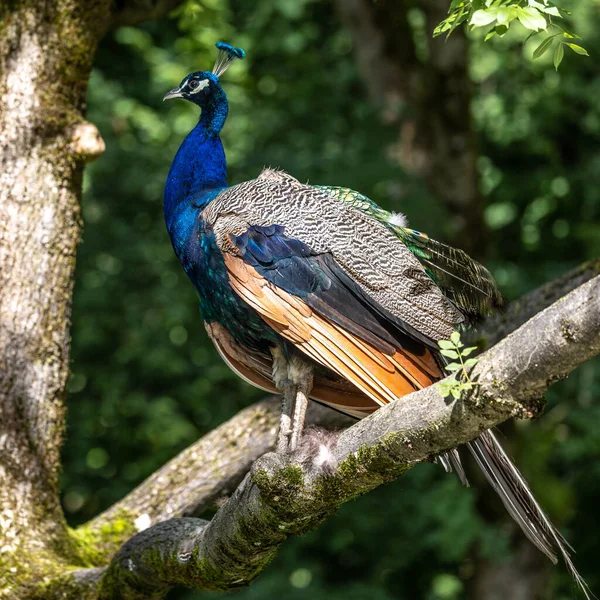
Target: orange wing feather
{"x": 381, "y": 377}
{"x": 257, "y": 370}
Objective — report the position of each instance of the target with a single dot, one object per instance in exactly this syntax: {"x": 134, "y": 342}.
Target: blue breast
{"x": 197, "y": 176}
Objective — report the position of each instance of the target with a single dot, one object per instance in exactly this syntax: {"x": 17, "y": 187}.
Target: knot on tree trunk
{"x": 86, "y": 141}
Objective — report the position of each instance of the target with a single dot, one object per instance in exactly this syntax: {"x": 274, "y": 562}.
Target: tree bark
{"x": 46, "y": 53}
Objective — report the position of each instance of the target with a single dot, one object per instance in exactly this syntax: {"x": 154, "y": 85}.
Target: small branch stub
{"x": 86, "y": 142}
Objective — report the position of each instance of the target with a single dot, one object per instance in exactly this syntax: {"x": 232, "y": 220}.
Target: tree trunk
{"x": 423, "y": 88}
{"x": 46, "y": 52}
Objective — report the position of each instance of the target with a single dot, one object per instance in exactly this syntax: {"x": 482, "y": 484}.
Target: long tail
{"x": 518, "y": 499}
{"x": 452, "y": 464}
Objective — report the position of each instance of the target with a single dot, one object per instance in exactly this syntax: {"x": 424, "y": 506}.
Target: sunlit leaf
{"x": 559, "y": 54}
{"x": 578, "y": 49}
{"x": 549, "y": 10}
{"x": 453, "y": 367}
{"x": 490, "y": 34}
{"x": 446, "y": 385}
{"x": 506, "y": 14}
{"x": 468, "y": 351}
{"x": 531, "y": 18}
{"x": 480, "y": 18}
{"x": 449, "y": 353}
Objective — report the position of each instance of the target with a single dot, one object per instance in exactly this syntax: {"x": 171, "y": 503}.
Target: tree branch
{"x": 498, "y": 327}
{"x": 207, "y": 471}
{"x": 214, "y": 466}
{"x": 286, "y": 494}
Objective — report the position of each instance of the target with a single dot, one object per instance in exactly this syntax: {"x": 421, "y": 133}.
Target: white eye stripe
{"x": 201, "y": 85}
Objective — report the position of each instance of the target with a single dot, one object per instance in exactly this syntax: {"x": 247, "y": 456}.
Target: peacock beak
{"x": 174, "y": 93}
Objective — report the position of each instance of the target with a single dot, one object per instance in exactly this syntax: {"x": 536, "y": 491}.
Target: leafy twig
{"x": 535, "y": 15}
{"x": 454, "y": 349}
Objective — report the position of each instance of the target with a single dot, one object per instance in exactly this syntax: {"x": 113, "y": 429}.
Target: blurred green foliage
{"x": 146, "y": 382}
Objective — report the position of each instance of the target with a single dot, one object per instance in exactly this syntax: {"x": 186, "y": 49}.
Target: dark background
{"x": 146, "y": 381}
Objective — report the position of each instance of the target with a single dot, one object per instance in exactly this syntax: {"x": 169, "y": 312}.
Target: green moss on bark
{"x": 94, "y": 547}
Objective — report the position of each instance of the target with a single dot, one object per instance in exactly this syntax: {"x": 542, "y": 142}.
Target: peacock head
{"x": 203, "y": 87}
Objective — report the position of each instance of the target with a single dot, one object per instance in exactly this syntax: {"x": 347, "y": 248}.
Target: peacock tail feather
{"x": 465, "y": 281}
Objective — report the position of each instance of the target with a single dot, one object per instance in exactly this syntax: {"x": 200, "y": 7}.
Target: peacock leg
{"x": 303, "y": 389}
{"x": 287, "y": 412}
{"x": 293, "y": 376}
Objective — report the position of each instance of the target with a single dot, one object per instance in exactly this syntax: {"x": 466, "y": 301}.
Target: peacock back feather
{"x": 465, "y": 281}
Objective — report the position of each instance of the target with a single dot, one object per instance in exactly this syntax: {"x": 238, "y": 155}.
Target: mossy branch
{"x": 286, "y": 495}
{"x": 210, "y": 469}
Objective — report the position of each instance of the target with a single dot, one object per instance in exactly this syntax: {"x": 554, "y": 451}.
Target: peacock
{"x": 316, "y": 292}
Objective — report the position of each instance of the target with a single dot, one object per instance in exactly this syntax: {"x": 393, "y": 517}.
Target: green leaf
{"x": 471, "y": 361}
{"x": 531, "y": 18}
{"x": 577, "y": 49}
{"x": 500, "y": 30}
{"x": 443, "y": 26}
{"x": 455, "y": 393}
{"x": 480, "y": 18}
{"x": 539, "y": 51}
{"x": 490, "y": 34}
{"x": 549, "y": 10}
{"x": 461, "y": 17}
{"x": 449, "y": 353}
{"x": 468, "y": 351}
{"x": 455, "y": 337}
{"x": 445, "y": 387}
{"x": 506, "y": 14}
{"x": 444, "y": 393}
{"x": 446, "y": 344}
{"x": 447, "y": 384}
{"x": 559, "y": 54}
{"x": 453, "y": 367}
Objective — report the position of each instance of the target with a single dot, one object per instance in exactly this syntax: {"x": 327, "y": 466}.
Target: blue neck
{"x": 199, "y": 165}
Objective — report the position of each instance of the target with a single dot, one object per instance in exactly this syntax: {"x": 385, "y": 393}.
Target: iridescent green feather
{"x": 466, "y": 282}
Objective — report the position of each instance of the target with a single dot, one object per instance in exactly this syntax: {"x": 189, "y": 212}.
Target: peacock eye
{"x": 193, "y": 84}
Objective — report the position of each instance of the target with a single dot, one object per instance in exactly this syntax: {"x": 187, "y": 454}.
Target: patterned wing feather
{"x": 465, "y": 281}
{"x": 380, "y": 376}
{"x": 360, "y": 248}
{"x": 468, "y": 283}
